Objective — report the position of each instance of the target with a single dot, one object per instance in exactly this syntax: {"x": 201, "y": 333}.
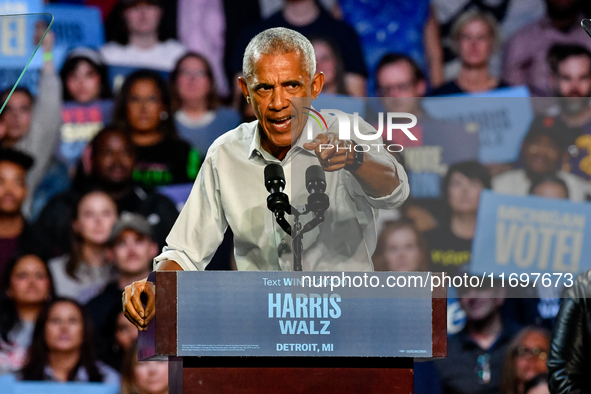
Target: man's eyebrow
{"x": 292, "y": 82}
{"x": 262, "y": 85}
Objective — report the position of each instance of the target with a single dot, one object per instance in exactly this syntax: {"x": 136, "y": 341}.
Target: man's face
{"x": 12, "y": 187}
{"x": 573, "y": 83}
{"x": 276, "y": 80}
{"x": 17, "y": 116}
{"x": 398, "y": 87}
{"x": 542, "y": 155}
{"x": 113, "y": 161}
{"x": 134, "y": 252}
{"x": 481, "y": 303}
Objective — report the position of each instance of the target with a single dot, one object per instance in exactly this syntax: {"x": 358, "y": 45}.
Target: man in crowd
{"x": 111, "y": 170}
{"x": 279, "y": 73}
{"x": 524, "y": 59}
{"x": 571, "y": 82}
{"x": 32, "y": 123}
{"x": 133, "y": 250}
{"x": 475, "y": 355}
{"x": 543, "y": 151}
{"x": 16, "y": 235}
{"x": 401, "y": 84}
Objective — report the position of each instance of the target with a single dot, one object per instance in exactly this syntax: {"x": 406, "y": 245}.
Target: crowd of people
{"x": 89, "y": 165}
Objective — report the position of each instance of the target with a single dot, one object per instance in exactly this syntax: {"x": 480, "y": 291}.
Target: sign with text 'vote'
{"x": 285, "y": 314}
{"x": 531, "y": 235}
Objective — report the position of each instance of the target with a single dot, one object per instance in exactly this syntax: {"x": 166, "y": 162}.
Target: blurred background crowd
{"x": 100, "y": 144}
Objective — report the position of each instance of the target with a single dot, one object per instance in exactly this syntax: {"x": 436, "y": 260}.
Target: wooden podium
{"x": 281, "y": 374}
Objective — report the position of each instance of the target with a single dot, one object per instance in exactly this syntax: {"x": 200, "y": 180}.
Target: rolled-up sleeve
{"x": 398, "y": 195}
{"x": 199, "y": 229}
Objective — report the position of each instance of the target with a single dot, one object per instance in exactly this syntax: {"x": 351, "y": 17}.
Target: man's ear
{"x": 317, "y": 84}
{"x": 244, "y": 88}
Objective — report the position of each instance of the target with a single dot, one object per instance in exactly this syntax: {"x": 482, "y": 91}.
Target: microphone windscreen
{"x": 273, "y": 172}
{"x": 315, "y": 173}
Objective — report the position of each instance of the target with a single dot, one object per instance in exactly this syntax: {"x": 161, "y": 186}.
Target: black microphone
{"x": 315, "y": 180}
{"x": 277, "y": 202}
{"x": 318, "y": 201}
{"x": 274, "y": 178}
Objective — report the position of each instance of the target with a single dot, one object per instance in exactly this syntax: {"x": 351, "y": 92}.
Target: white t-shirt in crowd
{"x": 162, "y": 56}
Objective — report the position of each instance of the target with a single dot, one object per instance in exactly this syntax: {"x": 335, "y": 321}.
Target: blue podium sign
{"x": 285, "y": 314}
{"x": 530, "y": 235}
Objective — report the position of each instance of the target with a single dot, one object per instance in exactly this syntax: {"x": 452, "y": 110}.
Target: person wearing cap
{"x": 143, "y": 48}
{"x": 133, "y": 249}
{"x": 16, "y": 234}
{"x": 32, "y": 123}
{"x": 543, "y": 152}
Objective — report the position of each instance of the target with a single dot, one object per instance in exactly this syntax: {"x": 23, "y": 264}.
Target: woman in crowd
{"x": 141, "y": 46}
{"x": 198, "y": 116}
{"x": 329, "y": 61}
{"x": 143, "y": 377}
{"x": 475, "y": 36}
{"x": 526, "y": 358}
{"x": 86, "y": 270}
{"x": 62, "y": 348}
{"x": 25, "y": 289}
{"x": 400, "y": 247}
{"x": 450, "y": 243}
{"x": 143, "y": 109}
{"x": 87, "y": 103}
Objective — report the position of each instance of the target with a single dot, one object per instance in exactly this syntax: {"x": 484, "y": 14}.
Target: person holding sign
{"x": 87, "y": 103}
{"x": 279, "y": 69}
{"x": 32, "y": 123}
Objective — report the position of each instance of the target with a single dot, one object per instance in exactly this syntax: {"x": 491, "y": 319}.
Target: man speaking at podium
{"x": 279, "y": 65}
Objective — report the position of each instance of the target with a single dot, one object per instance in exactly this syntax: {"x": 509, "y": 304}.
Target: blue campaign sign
{"x": 16, "y": 31}
{"x": 273, "y": 314}
{"x": 77, "y": 25}
{"x": 531, "y": 235}
{"x": 502, "y": 118}
{"x": 7, "y": 383}
{"x": 64, "y": 388}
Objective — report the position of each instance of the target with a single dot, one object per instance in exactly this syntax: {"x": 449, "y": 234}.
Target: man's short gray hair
{"x": 278, "y": 41}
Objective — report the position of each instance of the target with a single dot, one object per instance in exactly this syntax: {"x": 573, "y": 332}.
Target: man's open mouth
{"x": 281, "y": 123}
